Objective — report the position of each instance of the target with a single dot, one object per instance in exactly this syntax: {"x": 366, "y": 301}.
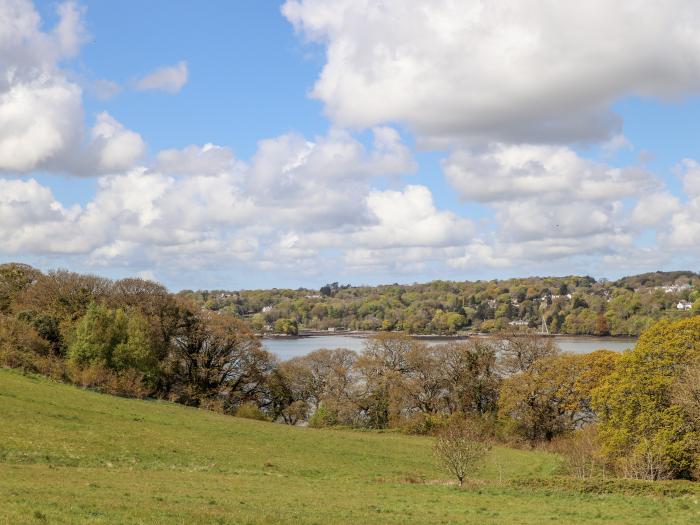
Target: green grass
{"x": 72, "y": 456}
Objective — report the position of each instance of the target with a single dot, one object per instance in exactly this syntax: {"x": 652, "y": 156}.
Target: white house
{"x": 684, "y": 305}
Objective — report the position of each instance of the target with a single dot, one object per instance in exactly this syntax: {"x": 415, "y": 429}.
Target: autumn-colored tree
{"x": 643, "y": 432}
{"x": 601, "y": 325}
{"x": 20, "y": 344}
{"x": 685, "y": 392}
{"x": 553, "y": 396}
{"x": 14, "y": 277}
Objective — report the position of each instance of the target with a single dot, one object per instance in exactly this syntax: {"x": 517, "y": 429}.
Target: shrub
{"x": 128, "y": 383}
{"x": 459, "y": 448}
{"x": 421, "y": 423}
{"x": 323, "y": 417}
{"x": 250, "y": 410}
{"x": 581, "y": 452}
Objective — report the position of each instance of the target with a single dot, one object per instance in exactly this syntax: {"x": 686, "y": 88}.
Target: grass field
{"x": 72, "y": 456}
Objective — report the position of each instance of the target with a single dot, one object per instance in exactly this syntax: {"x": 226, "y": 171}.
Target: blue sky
{"x": 259, "y": 143}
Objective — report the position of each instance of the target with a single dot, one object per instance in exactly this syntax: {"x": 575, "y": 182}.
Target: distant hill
{"x": 650, "y": 279}
{"x": 576, "y": 305}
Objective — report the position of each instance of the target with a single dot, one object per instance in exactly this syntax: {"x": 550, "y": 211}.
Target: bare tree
{"x": 518, "y": 351}
{"x": 460, "y": 448}
{"x": 471, "y": 376}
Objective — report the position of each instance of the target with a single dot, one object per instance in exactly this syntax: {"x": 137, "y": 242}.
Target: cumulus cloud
{"x": 209, "y": 159}
{"x": 549, "y": 173}
{"x": 200, "y": 205}
{"x": 549, "y": 202}
{"x": 653, "y": 209}
{"x": 321, "y": 181}
{"x": 40, "y": 117}
{"x": 170, "y": 79}
{"x": 683, "y": 232}
{"x": 33, "y": 221}
{"x": 116, "y": 148}
{"x": 40, "y": 110}
{"x": 507, "y": 70}
{"x": 409, "y": 218}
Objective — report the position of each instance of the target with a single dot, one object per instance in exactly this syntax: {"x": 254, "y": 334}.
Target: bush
{"x": 250, "y": 410}
{"x": 128, "y": 383}
{"x": 323, "y": 417}
{"x": 581, "y": 452}
{"x": 422, "y": 424}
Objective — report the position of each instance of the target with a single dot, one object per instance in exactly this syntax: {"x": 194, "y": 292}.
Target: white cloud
{"x": 505, "y": 70}
{"x": 104, "y": 89}
{"x": 653, "y": 209}
{"x": 40, "y": 118}
{"x": 477, "y": 255}
{"x": 116, "y": 148}
{"x": 209, "y": 159}
{"x": 200, "y": 206}
{"x": 40, "y": 110}
{"x": 170, "y": 79}
{"x": 552, "y": 174}
{"x": 409, "y": 218}
{"x": 33, "y": 221}
{"x": 683, "y": 232}
{"x": 548, "y": 202}
{"x": 41, "y": 113}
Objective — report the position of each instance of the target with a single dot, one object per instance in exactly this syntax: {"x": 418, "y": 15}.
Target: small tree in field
{"x": 460, "y": 448}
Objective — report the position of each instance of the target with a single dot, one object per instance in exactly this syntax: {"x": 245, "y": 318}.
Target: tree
{"x": 382, "y": 368}
{"x": 20, "y": 344}
{"x": 14, "y": 277}
{"x": 459, "y": 448}
{"x": 643, "y": 431}
{"x": 216, "y": 359}
{"x": 518, "y": 351}
{"x": 96, "y": 336}
{"x": 136, "y": 349}
{"x": 471, "y": 378}
{"x": 601, "y": 325}
{"x": 287, "y": 327}
{"x": 686, "y": 391}
{"x": 553, "y": 396}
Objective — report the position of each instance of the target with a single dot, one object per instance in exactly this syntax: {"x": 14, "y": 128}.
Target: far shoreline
{"x": 360, "y": 334}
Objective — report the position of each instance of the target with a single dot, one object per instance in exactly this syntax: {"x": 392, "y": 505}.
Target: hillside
{"x": 73, "y": 456}
{"x": 575, "y": 305}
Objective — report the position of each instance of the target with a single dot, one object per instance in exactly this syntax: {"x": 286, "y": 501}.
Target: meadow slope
{"x": 72, "y": 456}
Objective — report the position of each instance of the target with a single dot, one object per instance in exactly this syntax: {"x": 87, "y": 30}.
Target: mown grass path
{"x": 72, "y": 456}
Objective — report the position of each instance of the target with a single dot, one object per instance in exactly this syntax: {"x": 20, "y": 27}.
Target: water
{"x": 288, "y": 347}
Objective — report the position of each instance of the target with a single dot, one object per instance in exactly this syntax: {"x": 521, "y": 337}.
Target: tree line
{"x": 577, "y": 305}
{"x": 635, "y": 414}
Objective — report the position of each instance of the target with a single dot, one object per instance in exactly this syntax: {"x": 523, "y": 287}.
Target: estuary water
{"x": 288, "y": 347}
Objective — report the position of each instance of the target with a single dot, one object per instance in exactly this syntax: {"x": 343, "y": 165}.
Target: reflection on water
{"x": 286, "y": 348}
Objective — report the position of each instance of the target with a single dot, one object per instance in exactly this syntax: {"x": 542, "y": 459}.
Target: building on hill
{"x": 684, "y": 305}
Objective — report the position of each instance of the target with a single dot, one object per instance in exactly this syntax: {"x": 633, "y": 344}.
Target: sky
{"x": 260, "y": 144}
